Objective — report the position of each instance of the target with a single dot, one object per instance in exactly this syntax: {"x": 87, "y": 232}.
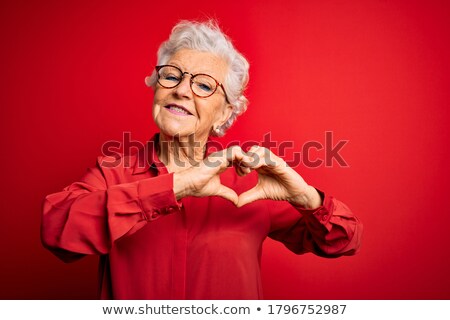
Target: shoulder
{"x": 118, "y": 168}
{"x": 118, "y": 161}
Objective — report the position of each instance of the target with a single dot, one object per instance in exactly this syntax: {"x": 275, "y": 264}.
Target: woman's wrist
{"x": 310, "y": 199}
{"x": 181, "y": 184}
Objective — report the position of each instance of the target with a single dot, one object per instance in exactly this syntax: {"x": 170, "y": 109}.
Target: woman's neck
{"x": 180, "y": 153}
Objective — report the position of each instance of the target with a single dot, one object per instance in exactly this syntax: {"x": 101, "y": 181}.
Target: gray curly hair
{"x": 207, "y": 36}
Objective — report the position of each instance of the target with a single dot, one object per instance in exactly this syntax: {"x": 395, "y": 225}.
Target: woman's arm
{"x": 330, "y": 230}
{"x": 319, "y": 224}
{"x": 88, "y": 216}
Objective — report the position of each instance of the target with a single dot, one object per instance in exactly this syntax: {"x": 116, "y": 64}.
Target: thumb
{"x": 249, "y": 196}
{"x": 227, "y": 193}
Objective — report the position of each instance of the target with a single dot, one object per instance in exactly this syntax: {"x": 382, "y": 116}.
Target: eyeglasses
{"x": 202, "y": 85}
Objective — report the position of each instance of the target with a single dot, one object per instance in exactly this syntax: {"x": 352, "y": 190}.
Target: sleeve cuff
{"x": 157, "y": 199}
{"x": 322, "y": 213}
{"x": 132, "y": 205}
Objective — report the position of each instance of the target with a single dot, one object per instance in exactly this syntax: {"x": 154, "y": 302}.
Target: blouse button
{"x": 155, "y": 214}
{"x": 170, "y": 209}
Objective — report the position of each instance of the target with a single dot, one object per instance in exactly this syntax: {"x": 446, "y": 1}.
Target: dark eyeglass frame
{"x": 218, "y": 84}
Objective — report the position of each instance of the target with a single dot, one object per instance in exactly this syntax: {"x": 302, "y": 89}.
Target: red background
{"x": 375, "y": 73}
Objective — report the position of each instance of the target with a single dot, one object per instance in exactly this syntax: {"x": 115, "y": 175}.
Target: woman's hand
{"x": 203, "y": 180}
{"x": 276, "y": 181}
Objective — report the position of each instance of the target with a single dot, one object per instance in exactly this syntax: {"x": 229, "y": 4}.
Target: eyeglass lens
{"x": 201, "y": 84}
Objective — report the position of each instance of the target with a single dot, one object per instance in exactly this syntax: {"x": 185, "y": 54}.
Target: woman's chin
{"x": 175, "y": 132}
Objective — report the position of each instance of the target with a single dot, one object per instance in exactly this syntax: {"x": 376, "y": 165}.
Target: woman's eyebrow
{"x": 178, "y": 65}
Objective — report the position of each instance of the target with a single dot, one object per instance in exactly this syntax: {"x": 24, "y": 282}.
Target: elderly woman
{"x": 177, "y": 221}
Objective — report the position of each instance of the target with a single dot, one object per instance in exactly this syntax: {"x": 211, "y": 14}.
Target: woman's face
{"x": 202, "y": 114}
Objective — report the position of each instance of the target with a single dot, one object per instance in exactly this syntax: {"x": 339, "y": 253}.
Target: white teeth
{"x": 178, "y": 109}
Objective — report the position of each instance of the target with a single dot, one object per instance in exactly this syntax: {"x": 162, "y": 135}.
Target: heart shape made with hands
{"x": 276, "y": 180}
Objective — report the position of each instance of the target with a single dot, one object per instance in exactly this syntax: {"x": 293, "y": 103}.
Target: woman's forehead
{"x": 194, "y": 61}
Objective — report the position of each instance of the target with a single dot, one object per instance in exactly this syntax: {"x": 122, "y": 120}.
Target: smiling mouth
{"x": 178, "y": 110}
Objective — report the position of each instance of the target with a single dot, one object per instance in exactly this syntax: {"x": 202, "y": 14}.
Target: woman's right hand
{"x": 203, "y": 180}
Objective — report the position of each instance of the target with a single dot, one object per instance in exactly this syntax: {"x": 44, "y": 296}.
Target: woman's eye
{"x": 205, "y": 87}
{"x": 171, "y": 77}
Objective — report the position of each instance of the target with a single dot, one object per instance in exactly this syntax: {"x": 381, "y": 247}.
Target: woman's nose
{"x": 183, "y": 89}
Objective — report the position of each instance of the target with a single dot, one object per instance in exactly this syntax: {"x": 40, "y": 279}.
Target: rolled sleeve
{"x": 132, "y": 205}
{"x": 330, "y": 230}
{"x": 158, "y": 197}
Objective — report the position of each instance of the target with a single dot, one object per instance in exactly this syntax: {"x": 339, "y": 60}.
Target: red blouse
{"x": 153, "y": 247}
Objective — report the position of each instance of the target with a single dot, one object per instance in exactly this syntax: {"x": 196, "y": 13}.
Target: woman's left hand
{"x": 276, "y": 181}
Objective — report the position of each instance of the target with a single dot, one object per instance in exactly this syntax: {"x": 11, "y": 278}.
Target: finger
{"x": 242, "y": 171}
{"x": 217, "y": 160}
{"x": 236, "y": 155}
{"x": 233, "y": 155}
{"x": 239, "y": 170}
{"x": 262, "y": 157}
{"x": 249, "y": 196}
{"x": 228, "y": 194}
{"x": 254, "y": 148}
{"x": 252, "y": 159}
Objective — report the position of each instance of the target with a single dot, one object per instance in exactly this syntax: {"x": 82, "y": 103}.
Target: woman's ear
{"x": 227, "y": 111}
{"x": 148, "y": 81}
{"x": 226, "y": 114}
